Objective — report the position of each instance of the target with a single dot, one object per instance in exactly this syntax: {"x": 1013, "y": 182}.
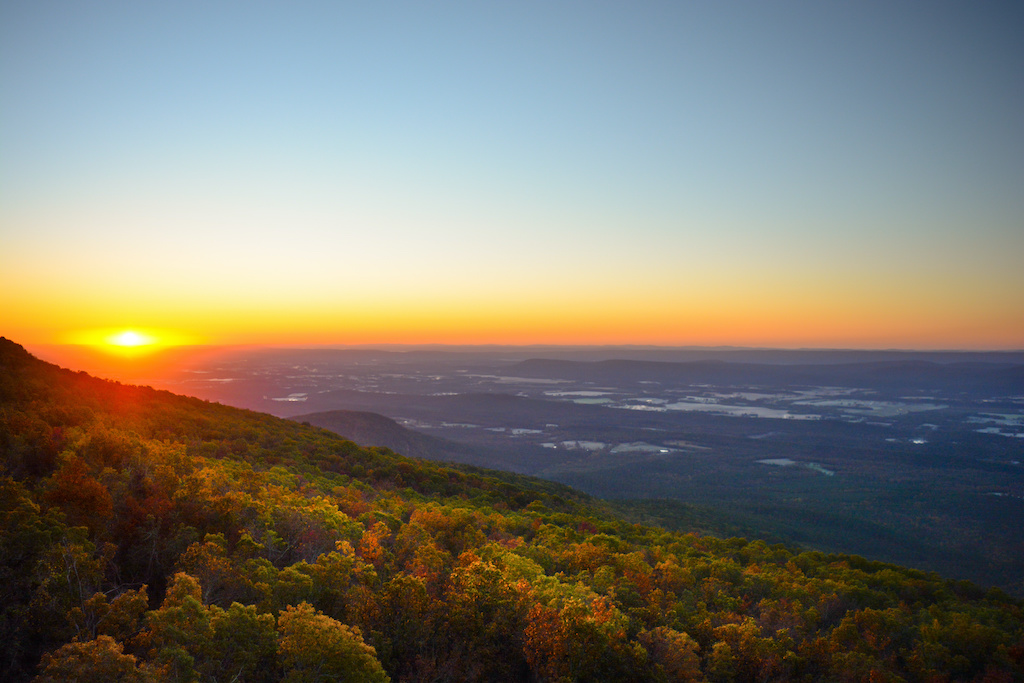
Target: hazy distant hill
{"x": 990, "y": 377}
{"x": 373, "y": 429}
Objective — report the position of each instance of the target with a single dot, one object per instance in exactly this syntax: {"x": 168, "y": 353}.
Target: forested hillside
{"x": 146, "y": 536}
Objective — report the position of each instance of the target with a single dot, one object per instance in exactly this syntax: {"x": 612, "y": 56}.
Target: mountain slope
{"x": 147, "y": 536}
{"x": 374, "y": 429}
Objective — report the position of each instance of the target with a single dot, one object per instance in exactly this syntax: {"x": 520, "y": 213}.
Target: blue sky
{"x": 683, "y": 170}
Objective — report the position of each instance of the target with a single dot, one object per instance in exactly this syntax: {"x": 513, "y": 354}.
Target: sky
{"x": 786, "y": 174}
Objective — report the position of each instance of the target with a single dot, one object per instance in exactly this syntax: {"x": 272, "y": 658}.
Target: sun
{"x": 130, "y": 339}
{"x": 129, "y": 342}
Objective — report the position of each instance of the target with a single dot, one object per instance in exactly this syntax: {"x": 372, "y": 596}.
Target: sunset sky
{"x": 795, "y": 174}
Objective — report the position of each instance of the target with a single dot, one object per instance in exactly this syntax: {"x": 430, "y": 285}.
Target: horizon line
{"x": 498, "y": 347}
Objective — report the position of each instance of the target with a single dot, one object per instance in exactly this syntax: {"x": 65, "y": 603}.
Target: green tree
{"x": 243, "y": 646}
{"x": 312, "y": 648}
{"x": 179, "y": 633}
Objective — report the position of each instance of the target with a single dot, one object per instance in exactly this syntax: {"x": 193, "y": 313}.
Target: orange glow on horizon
{"x": 661, "y": 303}
{"x": 128, "y": 342}
{"x": 645, "y": 324}
{"x": 774, "y": 316}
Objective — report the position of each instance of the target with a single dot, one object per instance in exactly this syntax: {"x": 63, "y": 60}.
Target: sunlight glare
{"x": 129, "y": 342}
{"x": 131, "y": 338}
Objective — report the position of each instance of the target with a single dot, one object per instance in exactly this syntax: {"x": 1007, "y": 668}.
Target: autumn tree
{"x": 93, "y": 661}
{"x": 673, "y": 652}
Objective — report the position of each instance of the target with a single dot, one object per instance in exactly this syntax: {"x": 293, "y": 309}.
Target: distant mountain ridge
{"x": 921, "y": 374}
